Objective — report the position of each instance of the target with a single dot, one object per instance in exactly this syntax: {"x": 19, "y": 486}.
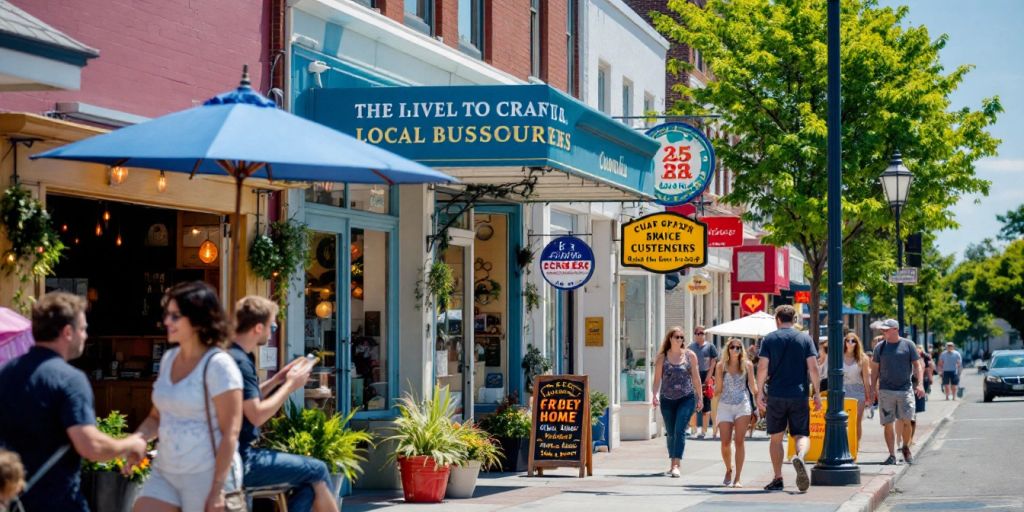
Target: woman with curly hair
{"x": 196, "y": 378}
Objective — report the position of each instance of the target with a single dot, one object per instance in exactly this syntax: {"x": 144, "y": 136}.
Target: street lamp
{"x": 896, "y": 181}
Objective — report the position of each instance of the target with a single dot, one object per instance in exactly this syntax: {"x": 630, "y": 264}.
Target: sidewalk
{"x": 632, "y": 475}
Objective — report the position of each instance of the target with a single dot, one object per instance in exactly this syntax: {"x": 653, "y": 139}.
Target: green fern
{"x": 311, "y": 433}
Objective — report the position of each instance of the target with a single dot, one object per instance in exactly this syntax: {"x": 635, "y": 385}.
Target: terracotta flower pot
{"x": 423, "y": 481}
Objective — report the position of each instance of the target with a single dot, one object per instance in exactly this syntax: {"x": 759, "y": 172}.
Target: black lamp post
{"x": 896, "y": 181}
{"x": 835, "y": 466}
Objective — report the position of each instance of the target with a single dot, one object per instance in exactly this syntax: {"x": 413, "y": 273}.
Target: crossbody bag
{"x": 234, "y": 501}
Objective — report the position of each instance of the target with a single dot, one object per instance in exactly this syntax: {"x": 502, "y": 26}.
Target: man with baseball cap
{"x": 950, "y": 365}
{"x": 894, "y": 360}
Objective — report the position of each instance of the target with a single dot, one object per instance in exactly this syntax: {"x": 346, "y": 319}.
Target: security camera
{"x": 317, "y": 67}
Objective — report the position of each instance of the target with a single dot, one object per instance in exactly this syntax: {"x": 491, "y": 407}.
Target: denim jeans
{"x": 268, "y": 467}
{"x": 676, "y": 414}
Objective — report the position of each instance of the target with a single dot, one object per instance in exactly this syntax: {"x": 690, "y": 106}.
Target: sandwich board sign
{"x": 560, "y": 435}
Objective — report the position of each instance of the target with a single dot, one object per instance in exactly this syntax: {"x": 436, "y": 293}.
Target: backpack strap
{"x": 45, "y": 467}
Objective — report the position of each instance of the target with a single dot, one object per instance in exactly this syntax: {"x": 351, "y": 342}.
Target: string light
{"x": 161, "y": 183}
{"x": 117, "y": 175}
{"x": 208, "y": 252}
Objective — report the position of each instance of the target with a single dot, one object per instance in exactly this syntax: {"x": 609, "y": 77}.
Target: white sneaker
{"x": 674, "y": 473}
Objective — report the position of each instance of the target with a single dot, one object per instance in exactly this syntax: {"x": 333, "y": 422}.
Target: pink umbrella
{"x": 15, "y": 335}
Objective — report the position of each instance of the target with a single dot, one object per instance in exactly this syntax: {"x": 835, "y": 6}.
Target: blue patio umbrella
{"x": 243, "y": 134}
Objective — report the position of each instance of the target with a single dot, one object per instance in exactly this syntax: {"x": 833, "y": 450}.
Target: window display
{"x": 635, "y": 340}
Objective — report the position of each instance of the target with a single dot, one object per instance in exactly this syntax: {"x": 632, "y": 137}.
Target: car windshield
{"x": 1008, "y": 361}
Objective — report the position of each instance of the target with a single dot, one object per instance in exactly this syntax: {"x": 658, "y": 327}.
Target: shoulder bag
{"x": 234, "y": 501}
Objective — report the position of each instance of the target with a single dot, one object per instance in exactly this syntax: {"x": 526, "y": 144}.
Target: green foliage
{"x": 532, "y": 296}
{"x": 534, "y": 364}
{"x": 769, "y": 62}
{"x": 509, "y": 421}
{"x": 425, "y": 428}
{"x": 478, "y": 445}
{"x": 999, "y": 283}
{"x": 1013, "y": 224}
{"x": 35, "y": 245}
{"x": 114, "y": 425}
{"x": 598, "y": 403}
{"x": 278, "y": 256}
{"x": 310, "y": 432}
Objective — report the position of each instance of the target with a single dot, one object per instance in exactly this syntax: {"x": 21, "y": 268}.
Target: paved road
{"x": 975, "y": 462}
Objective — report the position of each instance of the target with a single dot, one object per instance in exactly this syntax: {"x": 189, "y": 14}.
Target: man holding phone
{"x": 310, "y": 480}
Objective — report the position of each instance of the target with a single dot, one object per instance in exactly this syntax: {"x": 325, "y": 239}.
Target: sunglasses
{"x": 699, "y": 333}
{"x": 734, "y": 347}
{"x": 677, "y": 337}
{"x": 851, "y": 341}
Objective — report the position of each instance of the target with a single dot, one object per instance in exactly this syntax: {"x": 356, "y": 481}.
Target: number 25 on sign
{"x": 676, "y": 163}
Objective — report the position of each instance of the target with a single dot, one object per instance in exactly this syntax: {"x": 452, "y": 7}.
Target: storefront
{"x": 129, "y": 234}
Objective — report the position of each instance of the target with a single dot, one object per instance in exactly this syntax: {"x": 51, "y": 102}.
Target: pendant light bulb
{"x": 99, "y": 229}
{"x": 106, "y": 215}
{"x": 118, "y": 242}
{"x": 161, "y": 183}
{"x": 208, "y": 252}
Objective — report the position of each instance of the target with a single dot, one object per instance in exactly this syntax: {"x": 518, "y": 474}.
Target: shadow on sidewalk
{"x": 726, "y": 491}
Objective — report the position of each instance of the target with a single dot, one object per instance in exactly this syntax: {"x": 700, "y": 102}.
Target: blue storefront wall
{"x": 490, "y": 126}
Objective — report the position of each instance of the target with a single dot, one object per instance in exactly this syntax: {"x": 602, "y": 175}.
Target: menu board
{"x": 560, "y": 435}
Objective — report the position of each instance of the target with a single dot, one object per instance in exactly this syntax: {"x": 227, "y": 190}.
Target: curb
{"x": 878, "y": 489}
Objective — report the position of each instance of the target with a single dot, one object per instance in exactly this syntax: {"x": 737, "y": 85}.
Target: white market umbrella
{"x": 757, "y": 325}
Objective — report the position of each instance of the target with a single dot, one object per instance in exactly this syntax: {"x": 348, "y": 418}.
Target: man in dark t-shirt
{"x": 786, "y": 360}
{"x": 47, "y": 406}
{"x": 308, "y": 477}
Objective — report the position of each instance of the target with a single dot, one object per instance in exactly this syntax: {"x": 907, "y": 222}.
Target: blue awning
{"x": 495, "y": 133}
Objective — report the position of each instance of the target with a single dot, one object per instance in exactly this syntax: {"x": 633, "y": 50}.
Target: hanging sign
{"x": 560, "y": 435}
{"x": 567, "y": 263}
{"x": 802, "y": 296}
{"x": 751, "y": 303}
{"x": 664, "y": 242}
{"x": 684, "y": 164}
{"x": 724, "y": 231}
{"x": 698, "y": 286}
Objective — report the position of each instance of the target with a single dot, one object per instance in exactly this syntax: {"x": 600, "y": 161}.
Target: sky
{"x": 990, "y": 35}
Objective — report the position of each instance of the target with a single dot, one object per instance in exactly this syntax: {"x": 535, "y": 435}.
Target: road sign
{"x": 906, "y": 275}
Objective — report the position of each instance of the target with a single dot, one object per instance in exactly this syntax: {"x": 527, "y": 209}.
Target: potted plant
{"x": 598, "y": 405}
{"x": 534, "y": 364}
{"x": 310, "y": 432}
{"x": 510, "y": 425}
{"x": 103, "y": 485}
{"x": 426, "y": 445}
{"x": 480, "y": 451}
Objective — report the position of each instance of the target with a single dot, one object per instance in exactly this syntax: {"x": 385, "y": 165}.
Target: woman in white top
{"x": 856, "y": 372}
{"x": 734, "y": 383}
{"x": 187, "y": 475}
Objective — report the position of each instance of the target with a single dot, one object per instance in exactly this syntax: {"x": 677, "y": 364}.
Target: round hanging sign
{"x": 683, "y": 166}
{"x": 567, "y": 263}
{"x": 698, "y": 286}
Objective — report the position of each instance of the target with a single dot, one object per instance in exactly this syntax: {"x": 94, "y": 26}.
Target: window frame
{"x": 627, "y": 100}
{"x": 570, "y": 47}
{"x": 423, "y": 24}
{"x": 604, "y": 72}
{"x": 474, "y": 48}
{"x": 536, "y": 67}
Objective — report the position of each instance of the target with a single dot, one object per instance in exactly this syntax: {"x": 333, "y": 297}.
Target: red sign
{"x": 686, "y": 210}
{"x": 803, "y": 296}
{"x": 724, "y": 231}
{"x": 751, "y": 303}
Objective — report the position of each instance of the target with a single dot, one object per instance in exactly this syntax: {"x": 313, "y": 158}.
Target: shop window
{"x": 637, "y": 351}
{"x": 369, "y": 198}
{"x": 490, "y": 308}
{"x": 648, "y": 109}
{"x": 627, "y": 100}
{"x": 369, "y": 323}
{"x": 419, "y": 14}
{"x": 603, "y": 73}
{"x": 535, "y": 40}
{"x": 471, "y": 27}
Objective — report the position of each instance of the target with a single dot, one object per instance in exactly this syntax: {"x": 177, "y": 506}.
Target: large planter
{"x": 462, "y": 481}
{"x": 423, "y": 481}
{"x": 108, "y": 491}
{"x": 597, "y": 434}
{"x": 516, "y": 454}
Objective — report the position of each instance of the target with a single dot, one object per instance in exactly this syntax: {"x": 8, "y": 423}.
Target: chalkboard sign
{"x": 560, "y": 435}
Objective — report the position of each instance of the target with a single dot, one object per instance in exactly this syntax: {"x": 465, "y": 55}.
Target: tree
{"x": 1013, "y": 224}
{"x": 979, "y": 318}
{"x": 931, "y": 302}
{"x": 1000, "y": 284}
{"x": 768, "y": 58}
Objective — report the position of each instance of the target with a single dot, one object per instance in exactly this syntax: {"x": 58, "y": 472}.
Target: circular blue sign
{"x": 567, "y": 263}
{"x": 683, "y": 166}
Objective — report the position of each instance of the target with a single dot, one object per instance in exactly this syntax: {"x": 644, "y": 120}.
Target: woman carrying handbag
{"x": 199, "y": 387}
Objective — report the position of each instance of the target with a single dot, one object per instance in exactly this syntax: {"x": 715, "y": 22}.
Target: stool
{"x": 276, "y": 493}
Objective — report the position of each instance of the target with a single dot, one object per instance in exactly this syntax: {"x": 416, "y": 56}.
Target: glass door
{"x": 349, "y": 314}
{"x": 452, "y": 360}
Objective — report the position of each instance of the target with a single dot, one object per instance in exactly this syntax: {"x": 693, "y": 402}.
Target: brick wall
{"x": 676, "y": 51}
{"x": 448, "y": 21}
{"x": 507, "y": 36}
{"x": 394, "y": 9}
{"x": 553, "y": 25}
{"x": 156, "y": 56}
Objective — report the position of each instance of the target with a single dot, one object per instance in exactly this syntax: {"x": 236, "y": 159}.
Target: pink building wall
{"x": 156, "y": 56}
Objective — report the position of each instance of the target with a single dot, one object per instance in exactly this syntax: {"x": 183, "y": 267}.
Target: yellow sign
{"x": 595, "y": 331}
{"x": 698, "y": 286}
{"x": 664, "y": 242}
{"x": 818, "y": 430}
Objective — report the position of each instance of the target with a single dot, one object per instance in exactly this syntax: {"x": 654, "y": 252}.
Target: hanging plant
{"x": 534, "y": 364}
{"x": 436, "y": 286}
{"x": 532, "y": 296}
{"x": 277, "y": 256}
{"x": 35, "y": 245}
